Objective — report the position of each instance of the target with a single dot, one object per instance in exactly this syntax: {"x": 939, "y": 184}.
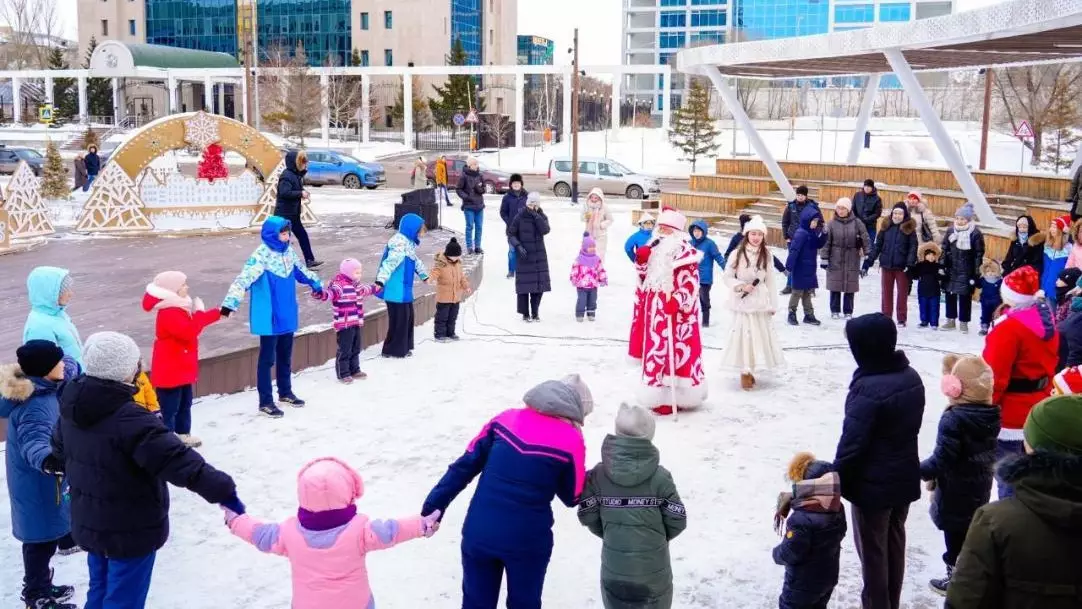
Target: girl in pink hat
{"x": 327, "y": 541}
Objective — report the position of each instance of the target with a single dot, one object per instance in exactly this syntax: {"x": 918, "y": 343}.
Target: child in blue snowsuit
{"x": 989, "y": 283}
{"x": 711, "y": 254}
{"x": 811, "y": 547}
{"x": 271, "y": 275}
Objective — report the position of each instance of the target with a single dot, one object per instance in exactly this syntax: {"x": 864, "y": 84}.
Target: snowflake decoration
{"x": 201, "y": 130}
{"x": 246, "y": 140}
{"x": 155, "y": 143}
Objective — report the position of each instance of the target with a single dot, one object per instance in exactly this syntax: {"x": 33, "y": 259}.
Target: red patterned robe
{"x": 671, "y": 272}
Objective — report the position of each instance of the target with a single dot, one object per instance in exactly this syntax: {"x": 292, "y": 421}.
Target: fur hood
{"x": 928, "y": 246}
{"x": 1037, "y": 240}
{"x": 909, "y": 225}
{"x": 991, "y": 267}
{"x": 14, "y": 385}
{"x": 156, "y": 298}
{"x": 443, "y": 262}
{"x": 1049, "y": 484}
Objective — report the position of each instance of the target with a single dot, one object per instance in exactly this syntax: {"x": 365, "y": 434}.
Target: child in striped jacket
{"x": 346, "y": 294}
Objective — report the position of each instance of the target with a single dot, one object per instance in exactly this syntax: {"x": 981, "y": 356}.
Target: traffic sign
{"x": 459, "y": 119}
{"x": 1024, "y": 131}
{"x": 45, "y": 113}
{"x": 471, "y": 117}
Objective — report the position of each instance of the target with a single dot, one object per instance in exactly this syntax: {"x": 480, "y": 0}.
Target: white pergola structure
{"x": 1015, "y": 33}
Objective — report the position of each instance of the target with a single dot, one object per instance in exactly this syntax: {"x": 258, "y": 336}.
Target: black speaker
{"x": 421, "y": 202}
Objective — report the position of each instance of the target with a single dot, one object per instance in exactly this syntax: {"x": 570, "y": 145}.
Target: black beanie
{"x": 744, "y": 219}
{"x": 453, "y": 249}
{"x": 516, "y": 177}
{"x": 869, "y": 182}
{"x": 38, "y": 357}
{"x": 802, "y": 190}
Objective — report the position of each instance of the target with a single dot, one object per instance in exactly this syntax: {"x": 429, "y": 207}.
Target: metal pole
{"x": 575, "y": 121}
{"x": 942, "y": 139}
{"x": 520, "y": 109}
{"x": 865, "y": 115}
{"x": 986, "y": 119}
{"x": 366, "y": 108}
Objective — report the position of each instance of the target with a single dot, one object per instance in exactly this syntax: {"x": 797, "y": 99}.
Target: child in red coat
{"x": 175, "y": 363}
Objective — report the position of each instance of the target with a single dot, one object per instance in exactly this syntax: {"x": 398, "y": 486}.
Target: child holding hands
{"x": 587, "y": 274}
{"x": 346, "y": 294}
{"x": 451, "y": 288}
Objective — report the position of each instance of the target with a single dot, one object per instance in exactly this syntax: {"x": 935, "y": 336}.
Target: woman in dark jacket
{"x": 963, "y": 254}
{"x": 960, "y": 469}
{"x": 1070, "y": 336}
{"x": 1022, "y": 552}
{"x": 1022, "y": 252}
{"x": 896, "y": 248}
{"x": 877, "y": 454}
{"x": 93, "y": 165}
{"x": 471, "y": 189}
{"x": 527, "y": 235}
{"x": 82, "y": 181}
{"x": 289, "y": 202}
{"x": 847, "y": 243}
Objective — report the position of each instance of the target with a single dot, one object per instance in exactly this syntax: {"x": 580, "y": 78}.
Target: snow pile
{"x": 403, "y": 426}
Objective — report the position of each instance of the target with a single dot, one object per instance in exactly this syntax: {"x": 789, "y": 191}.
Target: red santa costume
{"x": 667, "y": 301}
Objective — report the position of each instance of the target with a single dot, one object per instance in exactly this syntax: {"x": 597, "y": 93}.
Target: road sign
{"x": 459, "y": 119}
{"x": 45, "y": 113}
{"x": 471, "y": 117}
{"x": 1024, "y": 131}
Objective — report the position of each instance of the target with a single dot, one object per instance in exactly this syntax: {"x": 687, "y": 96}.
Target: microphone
{"x": 753, "y": 284}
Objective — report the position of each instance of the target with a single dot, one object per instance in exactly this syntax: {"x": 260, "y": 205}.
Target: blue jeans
{"x": 512, "y": 259}
{"x": 929, "y": 310}
{"x": 274, "y": 350}
{"x": 176, "y": 408}
{"x": 1004, "y": 449}
{"x": 89, "y": 181}
{"x": 118, "y": 583}
{"x": 871, "y": 239}
{"x": 474, "y": 219}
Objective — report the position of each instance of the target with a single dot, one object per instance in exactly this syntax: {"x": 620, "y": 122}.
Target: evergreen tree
{"x": 459, "y": 94}
{"x": 355, "y": 58}
{"x": 422, "y": 120}
{"x": 65, "y": 91}
{"x": 99, "y": 91}
{"x": 54, "y": 181}
{"x": 693, "y": 131}
{"x": 90, "y": 138}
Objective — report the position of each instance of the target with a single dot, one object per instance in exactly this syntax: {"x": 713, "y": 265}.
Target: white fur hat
{"x": 672, "y": 218}
{"x": 756, "y": 223}
{"x": 844, "y": 202}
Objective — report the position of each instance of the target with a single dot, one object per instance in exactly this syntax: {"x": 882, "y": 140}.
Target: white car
{"x": 608, "y": 175}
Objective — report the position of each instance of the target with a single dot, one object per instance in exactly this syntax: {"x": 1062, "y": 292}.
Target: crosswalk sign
{"x": 45, "y": 113}
{"x": 1024, "y": 131}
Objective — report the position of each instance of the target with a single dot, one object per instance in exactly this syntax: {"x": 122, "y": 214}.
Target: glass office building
{"x": 207, "y": 25}
{"x": 534, "y": 51}
{"x": 467, "y": 24}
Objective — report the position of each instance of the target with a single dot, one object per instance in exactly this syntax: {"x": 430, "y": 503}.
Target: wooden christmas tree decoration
{"x": 5, "y": 227}
{"x": 27, "y": 213}
{"x": 114, "y": 204}
{"x": 269, "y": 199}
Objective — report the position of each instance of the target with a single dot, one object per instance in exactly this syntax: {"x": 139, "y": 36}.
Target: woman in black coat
{"x": 963, "y": 254}
{"x": 1022, "y": 252}
{"x": 289, "y": 201}
{"x": 526, "y": 234}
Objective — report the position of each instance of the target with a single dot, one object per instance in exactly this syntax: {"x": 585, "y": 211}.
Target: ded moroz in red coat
{"x": 1022, "y": 349}
{"x": 176, "y": 336}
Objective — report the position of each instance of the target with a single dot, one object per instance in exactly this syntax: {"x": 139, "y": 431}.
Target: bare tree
{"x": 35, "y": 28}
{"x": 343, "y": 96}
{"x": 293, "y": 98}
{"x": 1046, "y": 96}
{"x": 498, "y": 126}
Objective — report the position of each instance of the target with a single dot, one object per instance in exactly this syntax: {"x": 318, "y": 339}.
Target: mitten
{"x": 234, "y": 505}
{"x": 379, "y": 284}
{"x": 864, "y": 272}
{"x": 431, "y": 523}
{"x": 52, "y": 465}
{"x": 197, "y": 304}
{"x": 229, "y": 514}
{"x": 225, "y": 311}
{"x": 642, "y": 255}
{"x": 672, "y": 306}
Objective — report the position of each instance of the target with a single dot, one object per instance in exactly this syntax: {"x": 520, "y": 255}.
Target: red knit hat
{"x": 1062, "y": 223}
{"x": 1020, "y": 287}
{"x": 1068, "y": 381}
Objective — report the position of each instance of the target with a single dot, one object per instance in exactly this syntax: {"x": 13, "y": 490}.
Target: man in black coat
{"x": 877, "y": 456}
{"x": 868, "y": 206}
{"x": 289, "y": 201}
{"x": 118, "y": 458}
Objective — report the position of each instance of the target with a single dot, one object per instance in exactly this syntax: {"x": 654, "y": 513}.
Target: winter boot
{"x": 848, "y": 316}
{"x": 291, "y": 400}
{"x": 526, "y": 318}
{"x": 510, "y": 275}
{"x": 963, "y": 327}
{"x": 189, "y": 440}
{"x": 580, "y": 319}
{"x": 591, "y": 316}
{"x": 346, "y": 380}
{"x": 314, "y": 264}
{"x": 835, "y": 315}
{"x": 792, "y": 319}
{"x": 923, "y": 324}
{"x": 786, "y": 291}
{"x": 747, "y": 381}
{"x": 811, "y": 320}
{"x": 478, "y": 251}
{"x": 272, "y": 411}
{"x": 69, "y": 552}
{"x": 901, "y": 324}
{"x": 950, "y": 325}
{"x": 984, "y": 330}
{"x": 359, "y": 376}
{"x": 939, "y": 586}
{"x": 48, "y": 603}
{"x": 443, "y": 339}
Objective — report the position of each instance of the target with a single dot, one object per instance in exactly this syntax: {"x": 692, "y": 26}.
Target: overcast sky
{"x": 598, "y": 22}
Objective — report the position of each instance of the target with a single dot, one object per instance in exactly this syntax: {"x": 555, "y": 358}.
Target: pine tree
{"x": 65, "y": 93}
{"x": 355, "y": 58}
{"x": 459, "y": 94}
{"x": 421, "y": 118}
{"x": 99, "y": 91}
{"x": 693, "y": 131}
{"x": 90, "y": 138}
{"x": 212, "y": 165}
{"x": 54, "y": 181}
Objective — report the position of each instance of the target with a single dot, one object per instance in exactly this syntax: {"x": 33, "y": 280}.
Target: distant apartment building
{"x": 654, "y": 30}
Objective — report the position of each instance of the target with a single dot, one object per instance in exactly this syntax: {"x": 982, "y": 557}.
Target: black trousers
{"x": 529, "y": 304}
{"x": 348, "y": 360}
{"x": 37, "y": 576}
{"x": 960, "y": 307}
{"x": 954, "y": 541}
{"x": 880, "y": 539}
{"x": 399, "y": 341}
{"x": 446, "y": 318}
{"x": 841, "y": 302}
{"x": 302, "y": 237}
{"x": 704, "y": 302}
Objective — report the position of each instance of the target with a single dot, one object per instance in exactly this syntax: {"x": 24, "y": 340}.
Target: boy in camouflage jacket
{"x": 631, "y": 502}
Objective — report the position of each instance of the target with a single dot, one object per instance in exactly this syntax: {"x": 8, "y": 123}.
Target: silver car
{"x": 608, "y": 175}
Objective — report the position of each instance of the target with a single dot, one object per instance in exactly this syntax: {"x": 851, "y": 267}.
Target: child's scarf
{"x": 327, "y": 519}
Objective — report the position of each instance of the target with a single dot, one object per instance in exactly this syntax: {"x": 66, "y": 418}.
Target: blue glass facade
{"x": 322, "y": 26}
{"x": 207, "y": 25}
{"x": 708, "y": 18}
{"x": 670, "y": 19}
{"x": 535, "y": 51}
{"x": 854, "y": 13}
{"x": 897, "y": 11}
{"x": 769, "y": 19}
{"x": 467, "y": 26}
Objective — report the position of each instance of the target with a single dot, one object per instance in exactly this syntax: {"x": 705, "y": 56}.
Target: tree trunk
{"x": 1038, "y": 147}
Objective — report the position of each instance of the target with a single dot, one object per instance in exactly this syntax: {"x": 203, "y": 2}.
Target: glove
{"x": 225, "y": 311}
{"x": 864, "y": 271}
{"x": 379, "y": 285}
{"x": 642, "y": 255}
{"x": 671, "y": 306}
{"x": 233, "y": 504}
{"x": 930, "y": 485}
{"x": 52, "y": 465}
{"x": 824, "y": 265}
{"x": 318, "y": 294}
{"x": 521, "y": 251}
{"x": 431, "y": 523}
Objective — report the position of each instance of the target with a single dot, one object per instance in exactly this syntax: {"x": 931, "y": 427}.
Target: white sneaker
{"x": 190, "y": 440}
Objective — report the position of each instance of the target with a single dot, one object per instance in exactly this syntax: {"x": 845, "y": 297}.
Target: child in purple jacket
{"x": 347, "y": 295}
{"x": 587, "y": 274}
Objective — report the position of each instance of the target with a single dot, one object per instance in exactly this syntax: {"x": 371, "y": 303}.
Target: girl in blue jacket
{"x": 395, "y": 277}
{"x": 271, "y": 275}
{"x": 711, "y": 255}
{"x": 50, "y": 290}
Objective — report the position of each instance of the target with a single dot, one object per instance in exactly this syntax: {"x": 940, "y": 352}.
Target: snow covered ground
{"x": 403, "y": 426}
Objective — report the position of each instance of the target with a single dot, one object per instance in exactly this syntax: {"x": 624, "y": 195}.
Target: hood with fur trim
{"x": 927, "y": 246}
{"x": 1049, "y": 484}
{"x": 991, "y": 268}
{"x": 909, "y": 225}
{"x": 14, "y": 385}
{"x": 156, "y": 298}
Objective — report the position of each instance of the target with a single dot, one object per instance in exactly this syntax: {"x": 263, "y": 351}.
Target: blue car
{"x": 330, "y": 167}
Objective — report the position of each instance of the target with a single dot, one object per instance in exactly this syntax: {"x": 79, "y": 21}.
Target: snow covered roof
{"x": 1017, "y": 32}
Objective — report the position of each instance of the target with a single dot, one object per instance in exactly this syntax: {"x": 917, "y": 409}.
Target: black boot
{"x": 811, "y": 320}
{"x": 792, "y": 319}
{"x": 939, "y": 586}
{"x": 787, "y": 291}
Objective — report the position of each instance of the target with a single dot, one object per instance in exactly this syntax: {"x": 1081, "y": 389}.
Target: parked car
{"x": 10, "y": 157}
{"x": 330, "y": 167}
{"x": 496, "y": 181}
{"x": 606, "y": 174}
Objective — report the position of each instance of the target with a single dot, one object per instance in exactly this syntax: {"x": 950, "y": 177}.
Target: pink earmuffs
{"x": 951, "y": 386}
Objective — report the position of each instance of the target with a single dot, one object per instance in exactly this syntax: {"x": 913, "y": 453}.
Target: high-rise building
{"x": 654, "y": 30}
{"x": 534, "y": 51}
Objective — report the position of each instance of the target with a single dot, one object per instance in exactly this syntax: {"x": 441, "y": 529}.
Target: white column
{"x": 865, "y": 115}
{"x": 520, "y": 107}
{"x": 171, "y": 85}
{"x": 16, "y": 100}
{"x": 666, "y": 96}
{"x": 49, "y": 93}
{"x": 568, "y": 83}
{"x": 83, "y": 117}
{"x": 116, "y": 101}
{"x": 728, "y": 94}
{"x": 243, "y": 100}
{"x": 325, "y": 113}
{"x": 941, "y": 138}
{"x": 616, "y": 94}
{"x": 221, "y": 98}
{"x": 208, "y": 94}
{"x": 366, "y": 108}
{"x": 407, "y": 110}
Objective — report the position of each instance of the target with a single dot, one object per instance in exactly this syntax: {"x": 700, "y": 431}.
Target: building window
{"x": 388, "y": 20}
{"x": 926, "y": 10}
{"x": 365, "y": 60}
{"x": 364, "y": 21}
{"x": 131, "y": 27}
{"x": 708, "y": 18}
{"x": 664, "y": 58}
{"x": 674, "y": 2}
{"x": 467, "y": 26}
{"x": 854, "y": 13}
{"x": 896, "y": 11}
{"x": 104, "y": 27}
{"x": 674, "y": 19}
{"x": 673, "y": 40}
{"x": 705, "y": 38}
{"x": 388, "y": 57}
{"x": 491, "y": 38}
{"x": 709, "y": 2}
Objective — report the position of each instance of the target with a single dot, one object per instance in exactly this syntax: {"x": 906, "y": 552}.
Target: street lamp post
{"x": 575, "y": 120}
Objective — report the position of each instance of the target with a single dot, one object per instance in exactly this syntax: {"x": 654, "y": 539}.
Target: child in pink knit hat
{"x": 347, "y": 294}
{"x": 327, "y": 541}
